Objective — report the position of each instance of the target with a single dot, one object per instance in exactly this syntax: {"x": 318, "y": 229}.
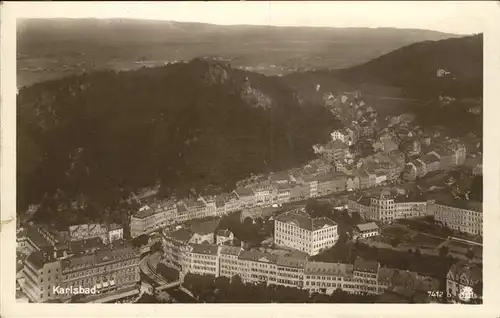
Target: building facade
{"x": 467, "y": 218}
{"x": 296, "y": 229}
{"x": 463, "y": 280}
{"x": 106, "y": 271}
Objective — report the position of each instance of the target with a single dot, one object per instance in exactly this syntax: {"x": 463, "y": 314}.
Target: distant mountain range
{"x": 52, "y": 48}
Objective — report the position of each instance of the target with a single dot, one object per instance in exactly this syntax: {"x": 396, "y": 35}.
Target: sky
{"x": 460, "y": 17}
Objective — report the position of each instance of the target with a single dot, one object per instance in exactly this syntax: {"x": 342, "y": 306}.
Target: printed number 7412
{"x": 435, "y": 293}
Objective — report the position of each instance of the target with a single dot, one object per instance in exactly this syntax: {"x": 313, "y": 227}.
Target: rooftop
{"x": 367, "y": 227}
{"x": 208, "y": 249}
{"x": 120, "y": 250}
{"x": 461, "y": 204}
{"x": 86, "y": 244}
{"x": 205, "y": 227}
{"x": 182, "y": 235}
{"x": 336, "y": 144}
{"x": 332, "y": 269}
{"x": 37, "y": 238}
{"x": 37, "y": 259}
{"x": 289, "y": 261}
{"x": 430, "y": 158}
{"x": 225, "y": 233}
{"x": 363, "y": 265}
{"x": 230, "y": 250}
{"x": 114, "y": 226}
{"x": 144, "y": 213}
{"x": 280, "y": 176}
{"x": 303, "y": 220}
{"x": 466, "y": 269}
{"x": 257, "y": 257}
{"x": 244, "y": 192}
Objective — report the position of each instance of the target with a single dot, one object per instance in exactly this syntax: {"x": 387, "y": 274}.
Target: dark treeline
{"x": 187, "y": 126}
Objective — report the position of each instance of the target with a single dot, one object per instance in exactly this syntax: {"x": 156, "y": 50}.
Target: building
{"x": 263, "y": 267}
{"x": 284, "y": 192}
{"x": 289, "y": 271}
{"x": 204, "y": 232}
{"x": 107, "y": 271}
{"x": 280, "y": 177}
{"x": 367, "y": 230}
{"x": 176, "y": 248}
{"x": 325, "y": 278}
{"x": 360, "y": 204}
{"x": 413, "y": 284}
{"x": 204, "y": 259}
{"x": 352, "y": 183}
{"x": 256, "y": 267}
{"x": 149, "y": 219}
{"x": 335, "y": 151}
{"x": 432, "y": 162}
{"x": 388, "y": 207}
{"x": 196, "y": 208}
{"x": 228, "y": 261}
{"x": 115, "y": 232}
{"x": 231, "y": 202}
{"x": 338, "y": 135}
{"x": 366, "y": 179}
{"x": 263, "y": 195}
{"x": 410, "y": 172}
{"x": 463, "y": 280}
{"x": 460, "y": 215}
{"x": 246, "y": 197}
{"x": 223, "y": 236}
{"x": 420, "y": 168}
{"x": 365, "y": 275}
{"x": 296, "y": 229}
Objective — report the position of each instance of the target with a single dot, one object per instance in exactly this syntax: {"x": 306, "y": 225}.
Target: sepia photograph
{"x": 249, "y": 153}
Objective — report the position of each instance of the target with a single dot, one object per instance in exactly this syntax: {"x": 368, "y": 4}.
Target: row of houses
{"x": 292, "y": 270}
{"x": 443, "y": 157}
{"x": 459, "y": 215}
{"x": 313, "y": 180}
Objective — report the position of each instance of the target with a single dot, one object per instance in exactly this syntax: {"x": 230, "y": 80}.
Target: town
{"x": 383, "y": 197}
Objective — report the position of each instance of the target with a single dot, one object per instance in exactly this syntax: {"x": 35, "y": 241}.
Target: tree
{"x": 356, "y": 218}
{"x": 478, "y": 289}
{"x": 395, "y": 241}
{"x": 443, "y": 251}
{"x": 140, "y": 240}
{"x": 156, "y": 247}
{"x": 147, "y": 299}
{"x": 470, "y": 254}
{"x": 418, "y": 252}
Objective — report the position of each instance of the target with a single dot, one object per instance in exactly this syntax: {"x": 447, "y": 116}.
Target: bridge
{"x": 160, "y": 282}
{"x": 168, "y": 285}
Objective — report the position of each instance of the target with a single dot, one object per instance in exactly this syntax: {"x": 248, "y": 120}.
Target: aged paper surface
{"x": 168, "y": 36}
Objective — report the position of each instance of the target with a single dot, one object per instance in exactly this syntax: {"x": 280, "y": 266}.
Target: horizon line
{"x": 19, "y": 19}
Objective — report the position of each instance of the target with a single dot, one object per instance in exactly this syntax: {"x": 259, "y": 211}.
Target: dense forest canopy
{"x": 410, "y": 71}
{"x": 99, "y": 136}
{"x": 414, "y": 68}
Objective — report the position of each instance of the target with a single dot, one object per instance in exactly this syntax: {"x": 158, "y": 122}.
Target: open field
{"x": 425, "y": 240}
{"x": 395, "y": 232}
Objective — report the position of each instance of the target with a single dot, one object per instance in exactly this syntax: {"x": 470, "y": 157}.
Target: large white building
{"x": 296, "y": 229}
{"x": 463, "y": 216}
